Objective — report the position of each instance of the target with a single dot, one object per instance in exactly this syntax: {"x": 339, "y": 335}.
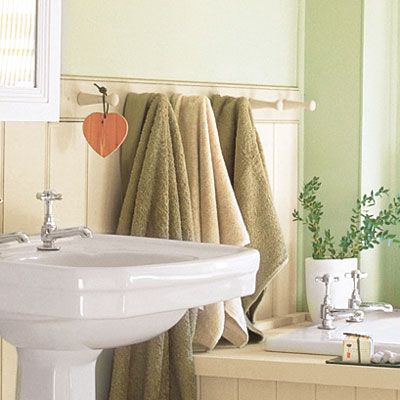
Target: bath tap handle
{"x": 48, "y": 195}
{"x": 328, "y": 280}
{"x": 356, "y": 275}
{"x": 355, "y": 299}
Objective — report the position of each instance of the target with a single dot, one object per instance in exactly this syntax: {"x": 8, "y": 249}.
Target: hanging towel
{"x": 245, "y": 163}
{"x": 136, "y": 107}
{"x": 216, "y": 214}
{"x": 156, "y": 204}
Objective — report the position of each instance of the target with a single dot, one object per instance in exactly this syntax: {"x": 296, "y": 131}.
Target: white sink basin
{"x": 307, "y": 338}
{"x": 61, "y": 308}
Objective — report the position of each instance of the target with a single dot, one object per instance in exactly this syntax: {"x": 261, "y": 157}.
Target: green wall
{"x": 379, "y": 150}
{"x": 352, "y": 141}
{"x": 209, "y": 40}
{"x": 333, "y": 76}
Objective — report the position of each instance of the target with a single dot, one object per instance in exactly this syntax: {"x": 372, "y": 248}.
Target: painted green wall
{"x": 210, "y": 40}
{"x": 352, "y": 68}
{"x": 333, "y": 65}
{"x": 379, "y": 150}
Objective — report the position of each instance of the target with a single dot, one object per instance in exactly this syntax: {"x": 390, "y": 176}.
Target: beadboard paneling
{"x": 68, "y": 172}
{"x": 2, "y": 130}
{"x": 104, "y": 197}
{"x": 8, "y": 371}
{"x": 280, "y": 144}
{"x": 295, "y": 391}
{"x": 250, "y": 389}
{"x": 24, "y": 175}
{"x": 212, "y": 388}
{"x": 375, "y": 394}
{"x": 218, "y": 388}
{"x": 285, "y": 196}
{"x": 326, "y": 392}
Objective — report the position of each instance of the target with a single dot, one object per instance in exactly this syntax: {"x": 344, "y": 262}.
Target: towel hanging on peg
{"x": 105, "y": 131}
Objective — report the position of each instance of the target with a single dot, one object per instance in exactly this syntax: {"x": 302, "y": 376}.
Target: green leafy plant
{"x": 366, "y": 230}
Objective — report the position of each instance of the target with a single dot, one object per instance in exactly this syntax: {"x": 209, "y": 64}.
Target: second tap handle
{"x": 356, "y": 275}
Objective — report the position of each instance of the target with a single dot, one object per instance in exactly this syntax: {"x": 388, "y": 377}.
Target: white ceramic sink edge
{"x": 61, "y": 308}
{"x": 123, "y": 291}
{"x": 306, "y": 338}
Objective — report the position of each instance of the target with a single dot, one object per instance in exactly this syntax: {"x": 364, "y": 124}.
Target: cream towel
{"x": 216, "y": 214}
{"x": 245, "y": 163}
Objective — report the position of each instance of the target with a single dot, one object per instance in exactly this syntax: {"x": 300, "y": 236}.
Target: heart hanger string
{"x": 106, "y": 106}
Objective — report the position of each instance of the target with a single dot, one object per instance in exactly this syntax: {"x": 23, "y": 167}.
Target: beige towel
{"x": 216, "y": 214}
{"x": 244, "y": 159}
{"x": 156, "y": 204}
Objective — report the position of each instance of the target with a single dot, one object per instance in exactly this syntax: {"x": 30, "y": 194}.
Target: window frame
{"x": 41, "y": 103}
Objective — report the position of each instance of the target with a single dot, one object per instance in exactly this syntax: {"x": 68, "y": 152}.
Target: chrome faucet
{"x": 356, "y": 309}
{"x": 20, "y": 237}
{"x": 355, "y": 301}
{"x": 50, "y": 232}
{"x": 328, "y": 310}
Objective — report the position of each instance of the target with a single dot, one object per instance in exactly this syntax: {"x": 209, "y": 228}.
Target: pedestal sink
{"x": 60, "y": 309}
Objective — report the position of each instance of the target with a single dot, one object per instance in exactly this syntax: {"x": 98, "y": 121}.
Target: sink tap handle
{"x": 48, "y": 196}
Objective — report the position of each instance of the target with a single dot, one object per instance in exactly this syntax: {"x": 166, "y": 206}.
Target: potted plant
{"x": 366, "y": 230}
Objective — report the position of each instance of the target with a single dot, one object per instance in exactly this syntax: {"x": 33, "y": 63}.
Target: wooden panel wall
{"x": 280, "y": 141}
{"x": 35, "y": 156}
{"x": 39, "y": 155}
{"x": 246, "y": 389}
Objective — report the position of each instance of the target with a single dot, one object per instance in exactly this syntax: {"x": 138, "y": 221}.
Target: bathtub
{"x": 306, "y": 338}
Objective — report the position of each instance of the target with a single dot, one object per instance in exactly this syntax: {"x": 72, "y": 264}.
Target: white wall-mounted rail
{"x": 283, "y": 104}
{"x": 87, "y": 99}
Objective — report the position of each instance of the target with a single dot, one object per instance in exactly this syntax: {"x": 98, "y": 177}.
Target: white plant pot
{"x": 315, "y": 291}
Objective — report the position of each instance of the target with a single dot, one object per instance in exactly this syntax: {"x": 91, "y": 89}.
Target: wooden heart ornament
{"x": 105, "y": 133}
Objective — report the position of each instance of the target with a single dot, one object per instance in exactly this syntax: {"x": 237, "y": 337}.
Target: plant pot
{"x": 315, "y": 291}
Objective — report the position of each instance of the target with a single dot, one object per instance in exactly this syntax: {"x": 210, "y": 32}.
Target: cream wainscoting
{"x": 254, "y": 374}
{"x": 37, "y": 155}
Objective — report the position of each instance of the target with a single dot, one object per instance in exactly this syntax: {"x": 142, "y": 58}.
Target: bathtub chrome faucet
{"x": 20, "y": 237}
{"x": 328, "y": 310}
{"x": 355, "y": 302}
{"x": 50, "y": 232}
{"x": 356, "y": 309}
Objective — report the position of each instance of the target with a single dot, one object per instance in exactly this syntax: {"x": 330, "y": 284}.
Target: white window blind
{"x": 17, "y": 43}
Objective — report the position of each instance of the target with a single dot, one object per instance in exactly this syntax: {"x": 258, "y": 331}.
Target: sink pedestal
{"x": 56, "y": 375}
